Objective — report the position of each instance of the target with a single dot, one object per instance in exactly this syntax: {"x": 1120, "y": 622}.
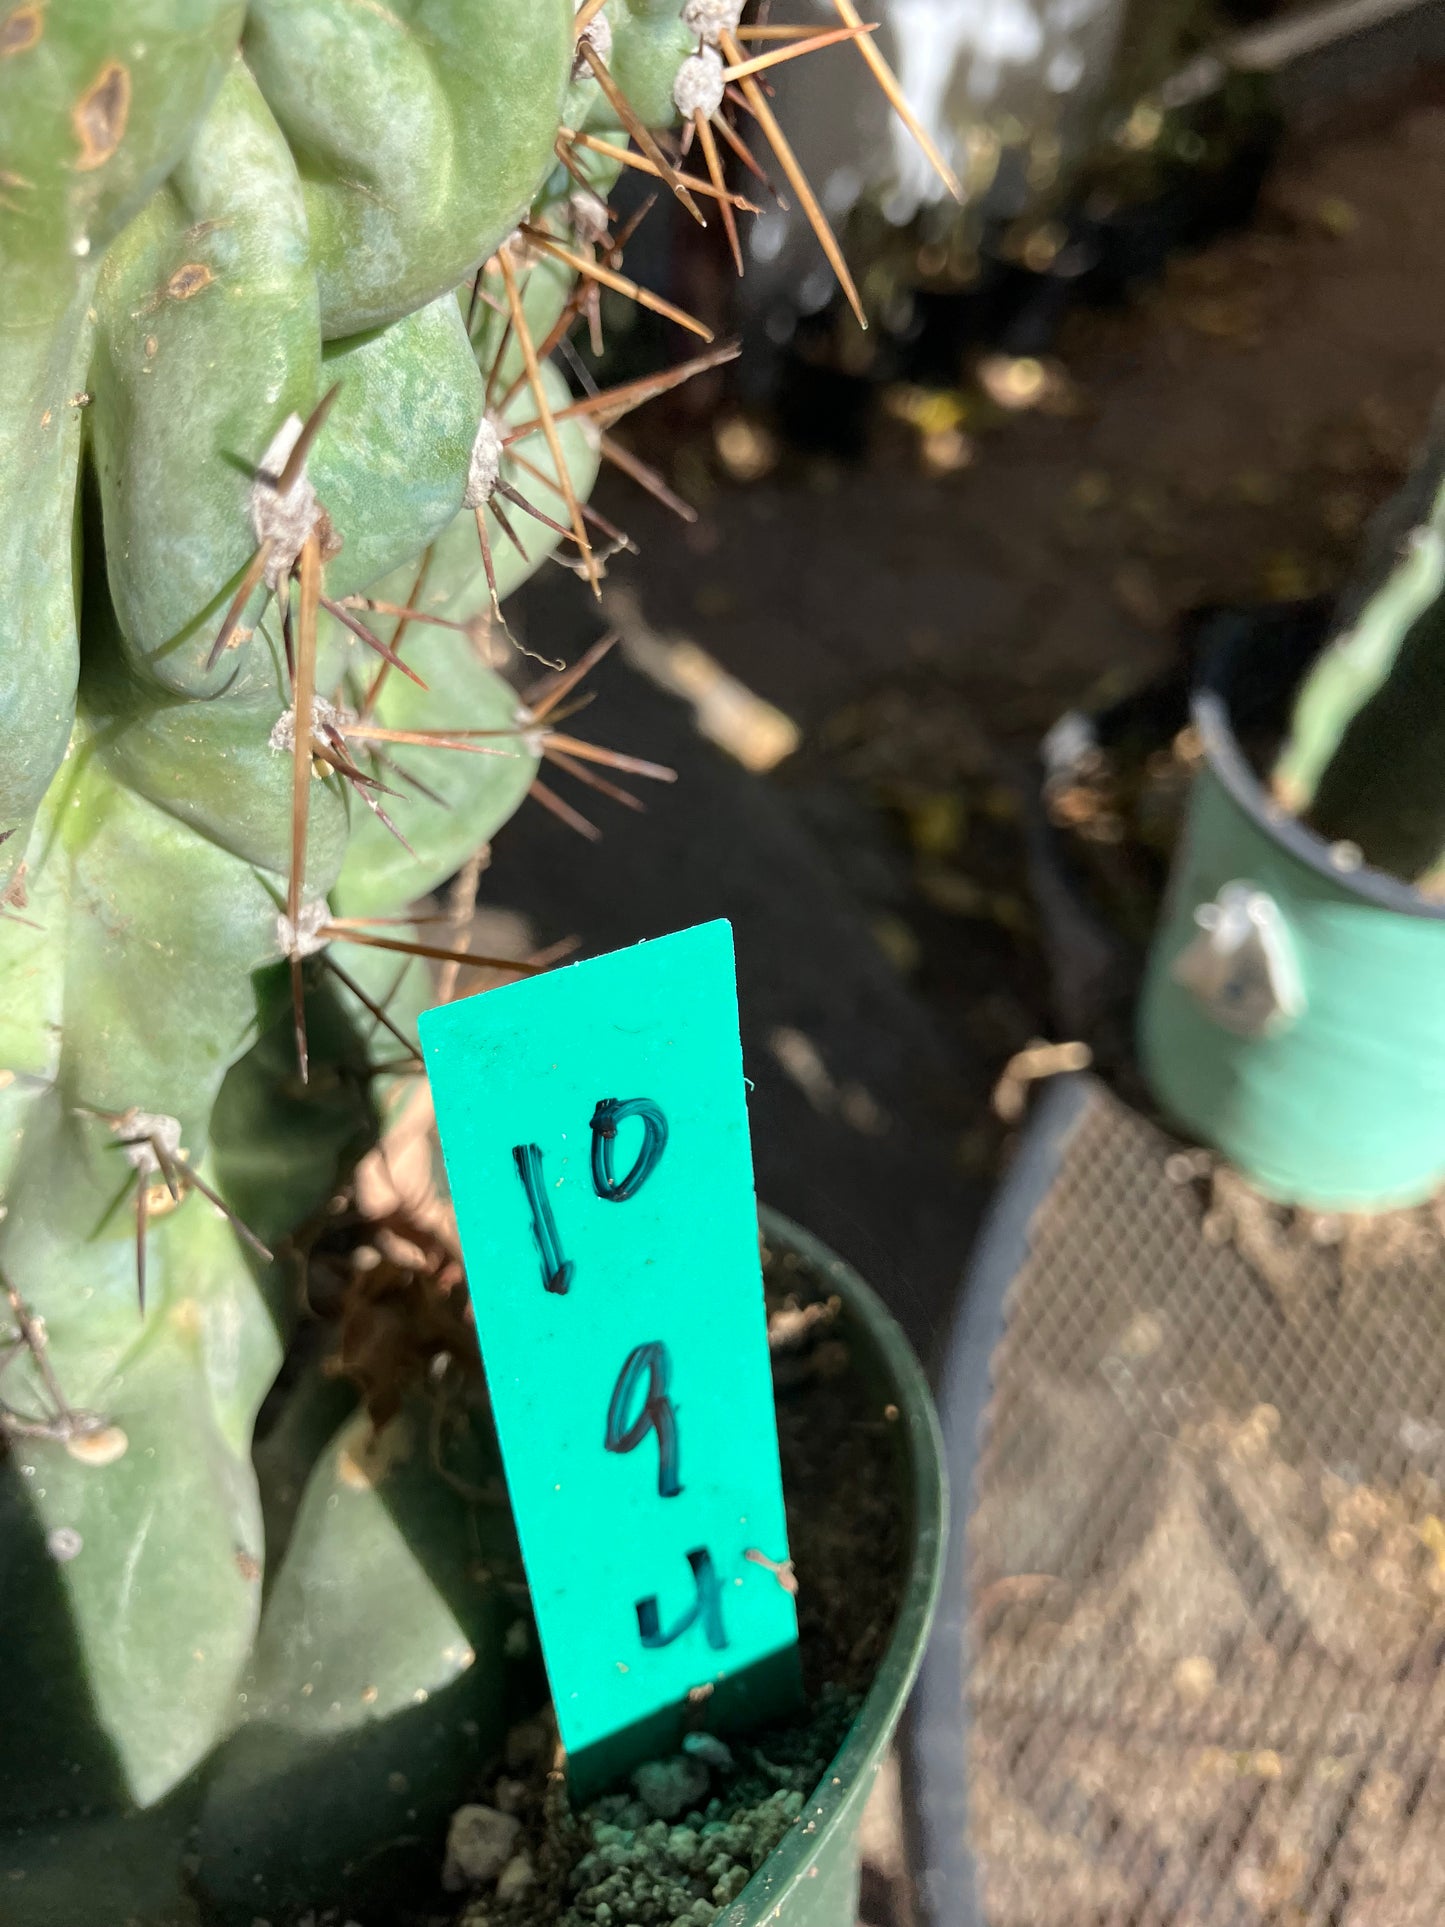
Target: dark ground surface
{"x": 1223, "y": 437}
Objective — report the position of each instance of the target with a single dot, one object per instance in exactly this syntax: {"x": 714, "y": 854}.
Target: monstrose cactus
{"x": 280, "y": 429}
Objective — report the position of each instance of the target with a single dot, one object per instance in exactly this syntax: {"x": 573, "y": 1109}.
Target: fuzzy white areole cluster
{"x": 531, "y": 734}
{"x": 588, "y": 214}
{"x": 304, "y": 938}
{"x": 324, "y": 715}
{"x": 597, "y": 35}
{"x": 484, "y": 465}
{"x": 286, "y": 520}
{"x": 140, "y": 1132}
{"x": 699, "y": 87}
{"x": 521, "y": 250}
{"x": 711, "y": 19}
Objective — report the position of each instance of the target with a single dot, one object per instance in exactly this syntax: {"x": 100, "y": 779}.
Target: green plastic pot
{"x": 811, "y": 1879}
{"x": 52, "y": 1875}
{"x": 1337, "y": 1102}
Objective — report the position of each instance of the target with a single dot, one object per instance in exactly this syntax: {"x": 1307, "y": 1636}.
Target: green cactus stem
{"x": 1359, "y": 762}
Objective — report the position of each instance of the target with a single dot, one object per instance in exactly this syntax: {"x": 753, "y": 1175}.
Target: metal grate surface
{"x": 1207, "y": 1561}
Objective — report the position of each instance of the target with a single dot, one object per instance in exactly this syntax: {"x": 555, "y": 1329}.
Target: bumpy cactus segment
{"x": 450, "y": 581}
{"x": 468, "y": 794}
{"x": 209, "y": 334}
{"x": 158, "y": 1026}
{"x": 391, "y": 467}
{"x": 213, "y": 768}
{"x": 650, "y": 41}
{"x": 421, "y": 128}
{"x": 135, "y": 1543}
{"x": 41, "y": 374}
{"x": 97, "y": 104}
{"x": 349, "y": 1749}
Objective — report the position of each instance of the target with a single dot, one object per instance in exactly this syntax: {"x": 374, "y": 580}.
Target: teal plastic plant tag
{"x": 594, "y": 1124}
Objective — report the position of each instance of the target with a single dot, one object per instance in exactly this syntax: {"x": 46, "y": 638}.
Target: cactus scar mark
{"x": 189, "y": 280}
{"x": 20, "y": 29}
{"x": 100, "y": 115}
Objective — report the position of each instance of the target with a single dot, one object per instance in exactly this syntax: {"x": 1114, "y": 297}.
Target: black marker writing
{"x": 609, "y": 1114}
{"x": 557, "y": 1271}
{"x": 707, "y": 1606}
{"x": 650, "y": 1363}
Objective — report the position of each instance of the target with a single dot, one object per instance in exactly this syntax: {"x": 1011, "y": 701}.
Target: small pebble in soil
{"x": 616, "y": 1863}
{"x": 709, "y": 1749}
{"x": 639, "y": 1874}
{"x": 515, "y": 1878}
{"x": 479, "y": 1845}
{"x": 670, "y": 1787}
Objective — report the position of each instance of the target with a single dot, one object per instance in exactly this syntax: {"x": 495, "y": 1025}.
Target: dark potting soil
{"x": 684, "y": 1839}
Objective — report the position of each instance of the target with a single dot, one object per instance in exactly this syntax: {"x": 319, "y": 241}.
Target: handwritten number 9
{"x": 649, "y": 1362}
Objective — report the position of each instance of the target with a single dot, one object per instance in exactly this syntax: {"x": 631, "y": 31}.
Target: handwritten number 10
{"x": 558, "y": 1270}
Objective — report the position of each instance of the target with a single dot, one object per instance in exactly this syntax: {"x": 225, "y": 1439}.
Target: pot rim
{"x": 1210, "y": 710}
{"x": 794, "y": 1860}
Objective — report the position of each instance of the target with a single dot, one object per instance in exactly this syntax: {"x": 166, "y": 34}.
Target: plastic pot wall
{"x": 1341, "y": 1106}
{"x": 811, "y": 1879}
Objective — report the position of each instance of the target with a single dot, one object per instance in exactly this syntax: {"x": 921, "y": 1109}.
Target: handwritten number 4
{"x": 706, "y": 1606}
{"x": 558, "y": 1270}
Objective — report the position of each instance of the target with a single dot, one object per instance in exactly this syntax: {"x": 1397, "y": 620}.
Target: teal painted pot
{"x": 1293, "y": 1012}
